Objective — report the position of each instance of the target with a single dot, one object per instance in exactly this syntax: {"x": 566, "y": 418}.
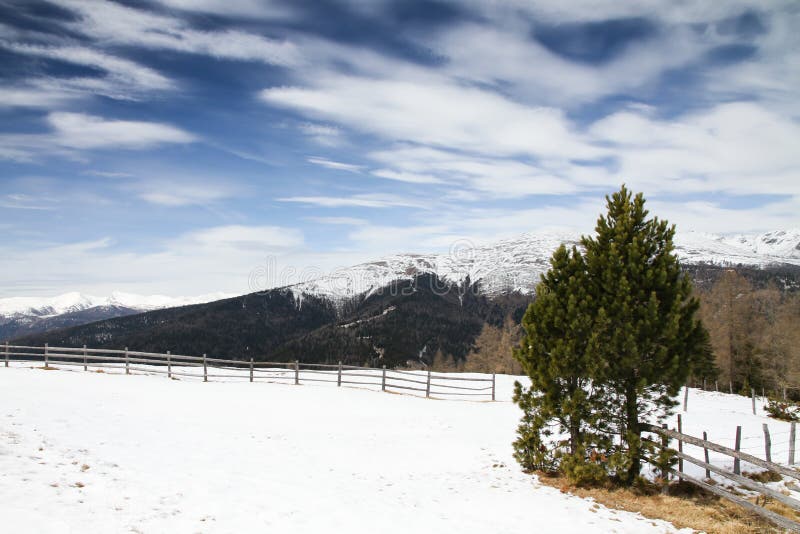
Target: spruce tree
{"x": 647, "y": 337}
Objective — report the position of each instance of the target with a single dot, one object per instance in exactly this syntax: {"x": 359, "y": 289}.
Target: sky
{"x": 184, "y": 147}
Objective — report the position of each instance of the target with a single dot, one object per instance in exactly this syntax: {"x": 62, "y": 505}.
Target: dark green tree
{"x": 610, "y": 339}
{"x": 647, "y": 336}
{"x": 556, "y": 354}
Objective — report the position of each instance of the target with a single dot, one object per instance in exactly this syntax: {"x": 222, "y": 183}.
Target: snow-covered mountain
{"x": 507, "y": 265}
{"x": 29, "y": 315}
{"x": 515, "y": 264}
{"x": 43, "y": 307}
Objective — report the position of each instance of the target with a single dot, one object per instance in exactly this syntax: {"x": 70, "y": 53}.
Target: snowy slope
{"x": 84, "y": 452}
{"x": 515, "y": 264}
{"x": 74, "y": 301}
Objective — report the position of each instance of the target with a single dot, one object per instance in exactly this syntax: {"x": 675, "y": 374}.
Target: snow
{"x": 74, "y": 301}
{"x": 110, "y": 453}
{"x": 718, "y": 414}
{"x": 515, "y": 264}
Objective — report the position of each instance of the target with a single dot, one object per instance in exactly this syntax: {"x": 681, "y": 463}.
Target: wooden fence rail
{"x": 433, "y": 384}
{"x": 667, "y": 434}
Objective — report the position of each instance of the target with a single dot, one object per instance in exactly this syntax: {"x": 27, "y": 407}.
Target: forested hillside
{"x": 406, "y": 322}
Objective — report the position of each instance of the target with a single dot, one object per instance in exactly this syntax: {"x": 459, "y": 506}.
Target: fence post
{"x": 6, "y": 353}
{"x": 127, "y": 363}
{"x": 704, "y": 384}
{"x": 685, "y": 396}
{"x": 205, "y": 369}
{"x": 493, "y": 387}
{"x": 383, "y": 379}
{"x": 705, "y": 452}
{"x": 339, "y": 376}
{"x": 730, "y": 385}
{"x": 737, "y": 447}
{"x": 251, "y": 369}
{"x": 296, "y": 372}
{"x": 428, "y": 385}
{"x": 46, "y": 358}
{"x": 767, "y": 443}
{"x": 680, "y": 443}
{"x": 791, "y": 443}
{"x": 169, "y": 364}
{"x": 716, "y": 385}
{"x": 664, "y": 446}
{"x": 753, "y": 397}
{"x": 85, "y": 363}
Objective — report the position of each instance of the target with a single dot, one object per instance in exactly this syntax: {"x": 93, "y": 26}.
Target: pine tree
{"x": 646, "y": 336}
{"x": 555, "y": 355}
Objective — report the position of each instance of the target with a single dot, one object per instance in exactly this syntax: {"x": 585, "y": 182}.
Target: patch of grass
{"x": 763, "y": 476}
{"x": 685, "y": 505}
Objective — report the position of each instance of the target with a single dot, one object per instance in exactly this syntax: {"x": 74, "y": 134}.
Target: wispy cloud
{"x": 113, "y": 23}
{"x": 124, "y": 79}
{"x": 72, "y": 133}
{"x": 182, "y": 192}
{"x": 266, "y": 9}
{"x": 78, "y": 130}
{"x": 344, "y": 221}
{"x": 358, "y": 201}
{"x": 26, "y": 202}
{"x": 26, "y": 96}
{"x": 335, "y": 165}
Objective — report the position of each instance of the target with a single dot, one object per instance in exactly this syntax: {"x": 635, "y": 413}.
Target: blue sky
{"x": 179, "y": 146}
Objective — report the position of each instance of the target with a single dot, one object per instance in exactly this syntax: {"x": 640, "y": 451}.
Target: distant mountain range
{"x": 400, "y": 308}
{"x": 29, "y": 315}
{"x": 515, "y": 264}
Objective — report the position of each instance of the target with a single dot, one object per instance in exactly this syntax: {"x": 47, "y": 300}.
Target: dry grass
{"x": 684, "y": 506}
{"x": 763, "y": 476}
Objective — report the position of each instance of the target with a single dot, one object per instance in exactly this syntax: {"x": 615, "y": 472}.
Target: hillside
{"x": 409, "y": 320}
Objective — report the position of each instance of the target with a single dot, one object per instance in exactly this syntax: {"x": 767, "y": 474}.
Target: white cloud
{"x": 439, "y": 113}
{"x": 335, "y": 165}
{"x": 80, "y": 131}
{"x": 188, "y": 193}
{"x": 738, "y": 148}
{"x": 240, "y": 237}
{"x": 113, "y": 23}
{"x": 32, "y": 97}
{"x": 251, "y": 8}
{"x": 25, "y": 202}
{"x": 370, "y": 200}
{"x": 345, "y": 221}
{"x": 408, "y": 177}
{"x": 322, "y": 134}
{"x": 221, "y": 257}
{"x": 124, "y": 79}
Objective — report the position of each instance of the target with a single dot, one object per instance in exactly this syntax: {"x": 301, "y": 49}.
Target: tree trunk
{"x": 634, "y": 433}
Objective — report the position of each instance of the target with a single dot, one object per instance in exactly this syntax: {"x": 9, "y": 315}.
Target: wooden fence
{"x": 176, "y": 365}
{"x": 735, "y": 476}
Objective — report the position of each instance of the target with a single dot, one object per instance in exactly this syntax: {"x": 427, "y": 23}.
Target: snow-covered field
{"x": 90, "y": 452}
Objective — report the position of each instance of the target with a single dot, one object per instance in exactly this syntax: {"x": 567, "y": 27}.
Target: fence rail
{"x": 432, "y": 384}
{"x": 667, "y": 434}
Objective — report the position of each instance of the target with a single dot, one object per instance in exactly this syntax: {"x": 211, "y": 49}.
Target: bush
{"x": 782, "y": 410}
